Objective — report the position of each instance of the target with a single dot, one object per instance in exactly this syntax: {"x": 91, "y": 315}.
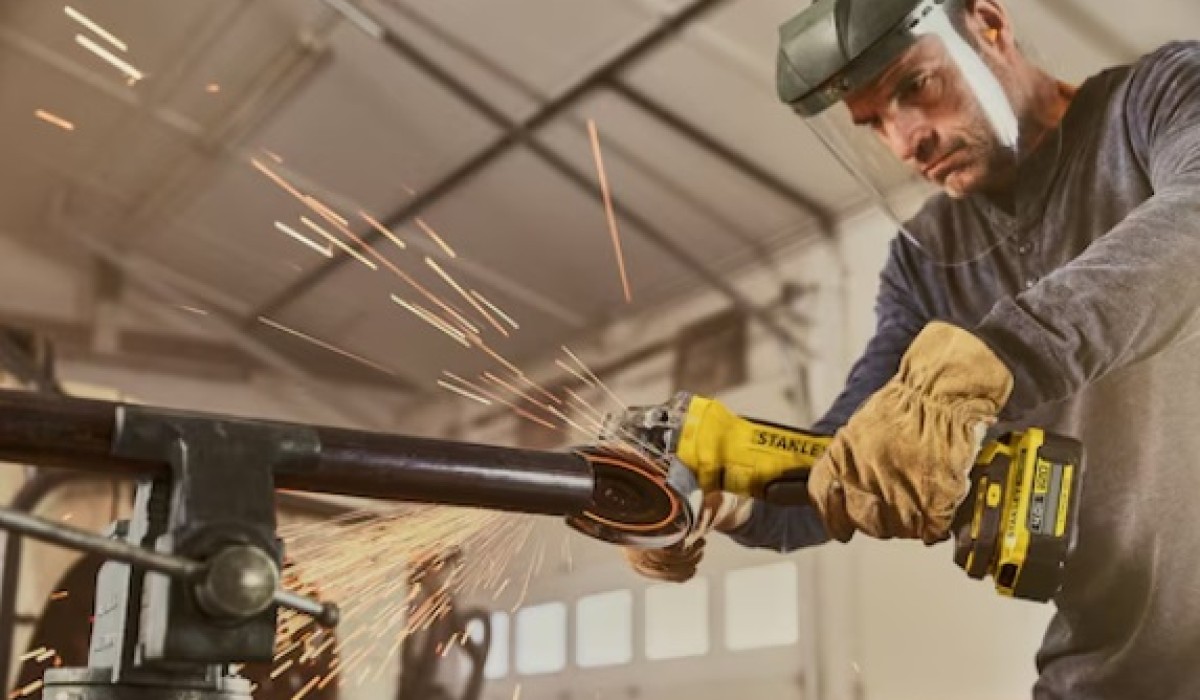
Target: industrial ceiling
{"x": 160, "y": 224}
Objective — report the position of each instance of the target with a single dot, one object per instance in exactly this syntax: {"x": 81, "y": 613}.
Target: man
{"x": 1055, "y": 282}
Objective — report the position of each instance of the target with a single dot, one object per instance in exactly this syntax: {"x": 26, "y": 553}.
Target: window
{"x": 762, "y": 607}
{"x": 542, "y": 639}
{"x": 677, "y": 620}
{"x": 497, "y": 658}
{"x": 604, "y": 629}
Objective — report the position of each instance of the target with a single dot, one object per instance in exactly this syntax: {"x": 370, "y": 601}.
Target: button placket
{"x": 1024, "y": 249}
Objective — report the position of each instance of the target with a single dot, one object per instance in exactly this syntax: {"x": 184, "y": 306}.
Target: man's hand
{"x": 674, "y": 564}
{"x": 899, "y": 467}
{"x": 723, "y": 512}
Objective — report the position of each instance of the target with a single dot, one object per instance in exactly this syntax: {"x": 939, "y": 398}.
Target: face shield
{"x": 904, "y": 95}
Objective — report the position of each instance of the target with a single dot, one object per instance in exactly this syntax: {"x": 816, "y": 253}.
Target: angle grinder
{"x": 1017, "y": 524}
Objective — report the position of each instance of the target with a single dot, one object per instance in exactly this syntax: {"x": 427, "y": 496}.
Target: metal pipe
{"x": 405, "y": 468}
{"x": 79, "y": 434}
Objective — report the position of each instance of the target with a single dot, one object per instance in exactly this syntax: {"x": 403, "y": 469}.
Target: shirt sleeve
{"x": 899, "y": 317}
{"x": 898, "y": 320}
{"x": 1135, "y": 291}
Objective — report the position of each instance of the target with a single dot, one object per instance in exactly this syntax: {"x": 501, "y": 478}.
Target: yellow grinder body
{"x": 1016, "y": 525}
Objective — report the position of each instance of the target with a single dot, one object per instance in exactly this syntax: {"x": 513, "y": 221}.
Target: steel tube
{"x": 78, "y": 434}
{"x": 407, "y": 468}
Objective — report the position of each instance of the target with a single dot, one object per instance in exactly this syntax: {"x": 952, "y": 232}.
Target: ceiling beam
{"x": 168, "y": 353}
{"x": 515, "y": 133}
{"x": 114, "y": 89}
{"x": 723, "y": 151}
{"x": 695, "y": 203}
{"x": 163, "y": 285}
{"x": 202, "y": 140}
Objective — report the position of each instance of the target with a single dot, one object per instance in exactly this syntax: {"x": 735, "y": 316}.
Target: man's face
{"x": 927, "y": 115}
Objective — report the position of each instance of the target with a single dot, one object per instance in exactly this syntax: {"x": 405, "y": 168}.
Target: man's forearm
{"x": 781, "y": 528}
{"x": 1135, "y": 292}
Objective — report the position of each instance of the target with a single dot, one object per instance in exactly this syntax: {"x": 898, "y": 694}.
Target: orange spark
{"x": 500, "y": 399}
{"x": 436, "y": 238}
{"x": 458, "y": 317}
{"x": 574, "y": 372}
{"x": 463, "y": 392}
{"x": 370, "y": 558}
{"x": 133, "y": 74}
{"x": 59, "y": 595}
{"x": 52, "y": 118}
{"x": 277, "y": 179}
{"x": 329, "y": 678}
{"x": 434, "y": 320}
{"x": 608, "y": 208}
{"x": 325, "y": 210}
{"x": 594, "y": 417}
{"x": 497, "y": 380}
{"x": 320, "y": 343}
{"x": 495, "y": 355}
{"x": 212, "y": 88}
{"x": 307, "y": 687}
{"x": 498, "y": 311}
{"x": 593, "y": 376}
{"x": 566, "y": 419}
{"x": 95, "y": 27}
{"x": 538, "y": 388}
{"x": 338, "y": 242}
{"x": 27, "y": 690}
{"x": 470, "y": 299}
{"x": 387, "y": 233}
{"x": 300, "y": 237}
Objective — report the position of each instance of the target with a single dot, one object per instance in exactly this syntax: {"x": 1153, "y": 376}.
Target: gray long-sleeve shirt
{"x": 1091, "y": 296}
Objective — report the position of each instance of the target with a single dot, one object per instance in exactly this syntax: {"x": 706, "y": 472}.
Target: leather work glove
{"x": 899, "y": 467}
{"x": 723, "y": 512}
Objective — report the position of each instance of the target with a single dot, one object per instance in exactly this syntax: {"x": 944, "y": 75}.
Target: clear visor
{"x": 935, "y": 119}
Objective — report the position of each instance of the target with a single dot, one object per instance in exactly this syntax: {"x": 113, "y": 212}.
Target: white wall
{"x": 888, "y": 620}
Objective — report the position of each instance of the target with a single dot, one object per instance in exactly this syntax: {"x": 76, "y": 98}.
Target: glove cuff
{"x": 950, "y": 364}
{"x": 732, "y": 513}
